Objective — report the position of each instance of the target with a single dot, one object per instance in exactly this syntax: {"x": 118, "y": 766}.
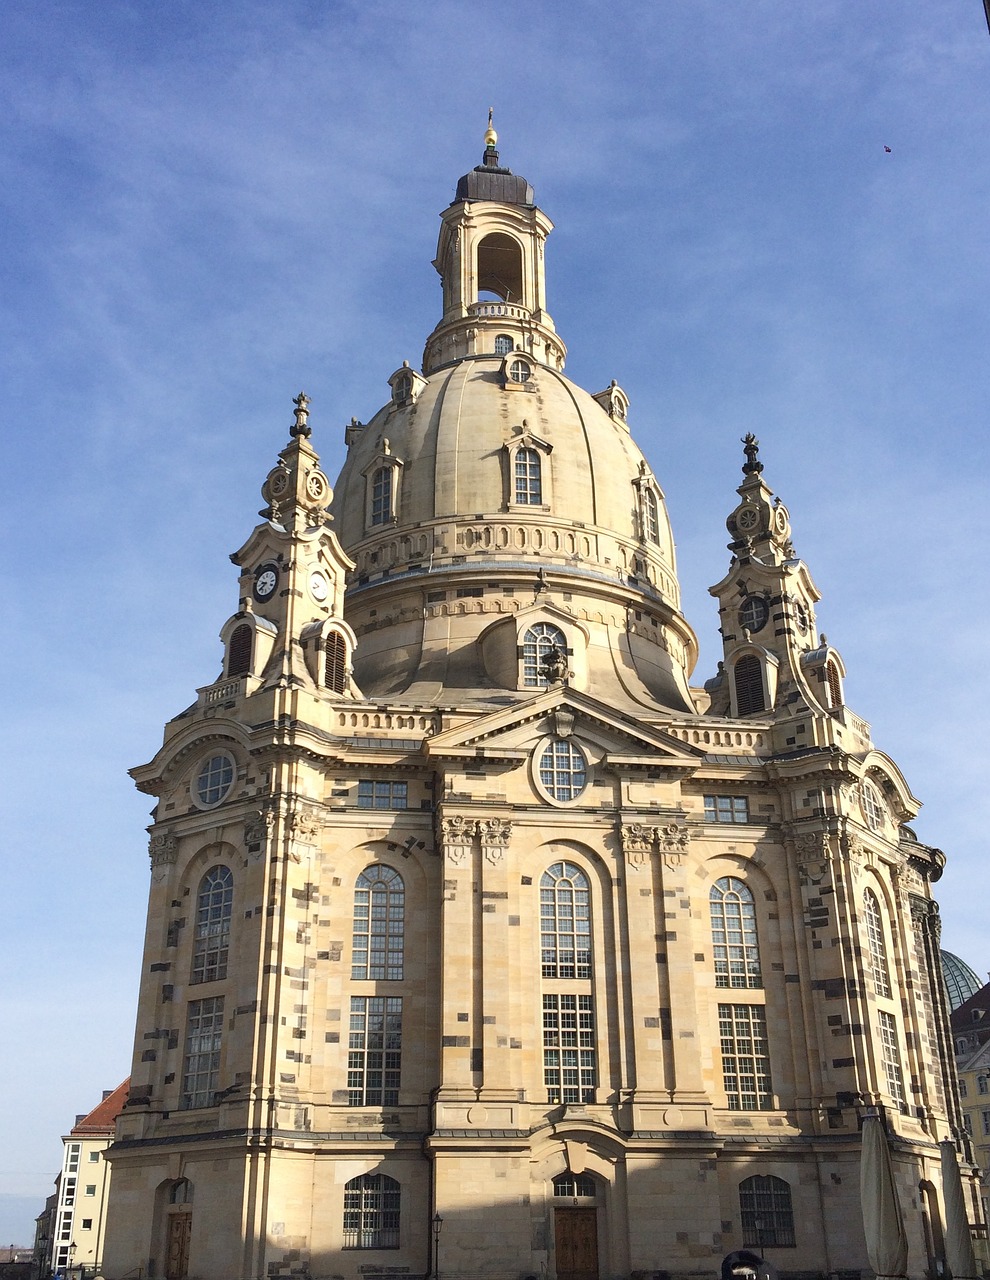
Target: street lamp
{"x": 758, "y": 1224}
{"x": 70, "y": 1253}
{"x": 437, "y": 1225}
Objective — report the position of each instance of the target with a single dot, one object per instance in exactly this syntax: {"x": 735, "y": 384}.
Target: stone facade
{"x": 481, "y": 940}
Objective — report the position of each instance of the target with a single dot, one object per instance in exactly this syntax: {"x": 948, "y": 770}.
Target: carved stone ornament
{"x": 494, "y": 833}
{"x": 673, "y": 840}
{"x": 814, "y": 854}
{"x": 640, "y": 841}
{"x": 457, "y": 835}
{"x": 163, "y": 850}
{"x": 305, "y": 825}
{"x": 258, "y": 831}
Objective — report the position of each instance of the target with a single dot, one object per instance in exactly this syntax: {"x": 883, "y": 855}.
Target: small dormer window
{"x": 335, "y": 662}
{"x": 381, "y": 496}
{"x": 651, "y": 515}
{"x": 748, "y": 675}
{"x": 528, "y": 478}
{"x": 403, "y": 388}
{"x": 239, "y": 650}
{"x": 519, "y": 371}
{"x": 503, "y": 344}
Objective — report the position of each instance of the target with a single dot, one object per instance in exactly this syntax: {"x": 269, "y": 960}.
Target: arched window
{"x": 503, "y": 344}
{"x": 335, "y": 669}
{"x": 878, "y": 947}
{"x": 734, "y": 942}
{"x": 834, "y": 685}
{"x": 181, "y": 1192}
{"x": 766, "y": 1213}
{"x": 371, "y": 1212}
{"x": 651, "y": 515}
{"x": 537, "y": 643}
{"x": 748, "y": 675}
{"x": 528, "y": 479}
{"x": 565, "y": 922}
{"x": 403, "y": 388}
{"x": 381, "y": 496}
{"x": 500, "y": 267}
{"x": 212, "y": 938}
{"x": 239, "y": 650}
{"x": 379, "y": 924}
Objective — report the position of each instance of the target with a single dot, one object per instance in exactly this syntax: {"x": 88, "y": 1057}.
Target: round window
{"x": 563, "y": 770}
{"x": 754, "y": 613}
{"x": 519, "y": 371}
{"x": 214, "y": 780}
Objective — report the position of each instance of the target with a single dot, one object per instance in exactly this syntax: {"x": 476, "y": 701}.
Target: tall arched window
{"x": 335, "y": 670}
{"x": 734, "y": 942}
{"x": 239, "y": 650}
{"x": 748, "y": 675}
{"x": 528, "y": 478}
{"x": 766, "y": 1213}
{"x": 537, "y": 643}
{"x": 381, "y": 496}
{"x": 565, "y": 922}
{"x": 651, "y": 515}
{"x": 878, "y": 947}
{"x": 212, "y": 937}
{"x": 379, "y": 924}
{"x": 503, "y": 344}
{"x": 371, "y": 1212}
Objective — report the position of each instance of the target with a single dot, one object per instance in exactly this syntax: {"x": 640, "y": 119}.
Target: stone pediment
{"x": 511, "y": 733}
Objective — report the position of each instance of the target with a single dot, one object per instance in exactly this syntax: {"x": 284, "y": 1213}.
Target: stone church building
{"x": 482, "y": 942}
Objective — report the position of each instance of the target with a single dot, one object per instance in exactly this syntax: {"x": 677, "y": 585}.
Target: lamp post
{"x": 758, "y": 1224}
{"x": 437, "y": 1225}
{"x": 70, "y": 1253}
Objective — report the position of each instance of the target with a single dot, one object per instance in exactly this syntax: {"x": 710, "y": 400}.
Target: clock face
{"x": 318, "y": 585}
{"x": 747, "y": 518}
{"x": 266, "y": 582}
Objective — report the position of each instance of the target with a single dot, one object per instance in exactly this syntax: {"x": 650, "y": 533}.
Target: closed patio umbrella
{"x": 886, "y": 1243}
{"x": 958, "y": 1241}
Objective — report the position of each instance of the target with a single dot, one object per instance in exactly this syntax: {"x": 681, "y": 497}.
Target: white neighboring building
{"x": 80, "y": 1215}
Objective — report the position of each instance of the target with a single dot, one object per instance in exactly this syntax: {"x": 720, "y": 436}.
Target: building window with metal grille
{"x": 742, "y": 1030}
{"x": 539, "y": 641}
{"x": 726, "y": 809}
{"x": 201, "y": 1074}
{"x": 335, "y": 662}
{"x": 374, "y": 1057}
{"x": 891, "y": 1056}
{"x": 371, "y": 1212}
{"x": 734, "y": 942}
{"x": 379, "y": 925}
{"x": 529, "y": 478}
{"x": 503, "y": 344}
{"x": 211, "y": 943}
{"x": 565, "y": 922}
{"x": 878, "y": 947}
{"x": 382, "y": 795}
{"x": 569, "y": 1055}
{"x": 766, "y": 1213}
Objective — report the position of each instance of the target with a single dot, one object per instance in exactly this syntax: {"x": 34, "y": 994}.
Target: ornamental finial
{"x": 301, "y": 426}
{"x": 491, "y": 137}
{"x": 751, "y": 447}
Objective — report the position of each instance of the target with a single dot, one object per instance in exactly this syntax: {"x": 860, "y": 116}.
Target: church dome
{"x": 490, "y": 477}
{"x": 961, "y": 981}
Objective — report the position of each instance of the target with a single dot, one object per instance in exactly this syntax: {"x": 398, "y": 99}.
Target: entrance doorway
{"x": 576, "y": 1241}
{"x": 177, "y": 1255}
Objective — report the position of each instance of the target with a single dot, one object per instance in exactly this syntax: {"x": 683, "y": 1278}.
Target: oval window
{"x": 563, "y": 770}
{"x": 214, "y": 780}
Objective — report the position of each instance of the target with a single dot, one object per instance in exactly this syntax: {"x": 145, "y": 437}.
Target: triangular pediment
{"x": 561, "y": 711}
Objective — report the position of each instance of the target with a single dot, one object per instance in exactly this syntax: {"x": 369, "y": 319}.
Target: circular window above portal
{"x": 214, "y": 781}
{"x": 562, "y": 770}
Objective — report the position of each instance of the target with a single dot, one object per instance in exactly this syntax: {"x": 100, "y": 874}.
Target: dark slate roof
{"x": 491, "y": 182}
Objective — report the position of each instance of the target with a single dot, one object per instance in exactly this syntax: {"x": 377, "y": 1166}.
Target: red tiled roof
{"x": 101, "y": 1119}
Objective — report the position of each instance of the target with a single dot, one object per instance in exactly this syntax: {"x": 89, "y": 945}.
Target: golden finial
{"x": 491, "y": 137}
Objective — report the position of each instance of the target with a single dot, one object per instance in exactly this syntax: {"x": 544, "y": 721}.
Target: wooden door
{"x": 576, "y": 1239}
{"x": 179, "y": 1232}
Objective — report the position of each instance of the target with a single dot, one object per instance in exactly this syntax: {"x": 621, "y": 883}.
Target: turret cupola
{"x": 490, "y": 259}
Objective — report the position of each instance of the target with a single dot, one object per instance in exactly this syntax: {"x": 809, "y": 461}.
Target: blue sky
{"x": 206, "y": 208}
